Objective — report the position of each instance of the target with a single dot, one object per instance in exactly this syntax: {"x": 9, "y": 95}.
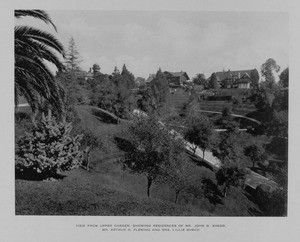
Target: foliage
{"x": 48, "y": 149}
{"x": 227, "y": 122}
{"x": 254, "y": 75}
{"x": 159, "y": 88}
{"x": 267, "y": 70}
{"x": 284, "y": 78}
{"x": 33, "y": 78}
{"x": 114, "y": 93}
{"x": 255, "y": 152}
{"x": 271, "y": 202}
{"x": 198, "y": 132}
{"x": 272, "y": 101}
{"x": 181, "y": 176}
{"x": 213, "y": 82}
{"x": 72, "y": 58}
{"x": 153, "y": 149}
{"x": 231, "y": 173}
{"x": 89, "y": 142}
{"x": 104, "y": 93}
{"x": 210, "y": 191}
{"x": 128, "y": 78}
{"x": 200, "y": 79}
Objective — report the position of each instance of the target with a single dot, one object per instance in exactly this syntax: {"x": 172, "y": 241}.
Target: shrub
{"x": 47, "y": 150}
{"x": 273, "y": 202}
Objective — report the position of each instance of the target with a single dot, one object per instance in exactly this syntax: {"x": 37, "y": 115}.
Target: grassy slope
{"x": 109, "y": 190}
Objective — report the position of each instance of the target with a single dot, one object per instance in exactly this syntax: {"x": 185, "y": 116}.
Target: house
{"x": 234, "y": 79}
{"x": 176, "y": 78}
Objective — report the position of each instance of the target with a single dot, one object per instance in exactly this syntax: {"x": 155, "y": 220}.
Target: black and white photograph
{"x": 151, "y": 113}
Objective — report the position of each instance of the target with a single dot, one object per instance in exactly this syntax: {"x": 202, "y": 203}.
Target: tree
{"x": 231, "y": 173}
{"x": 255, "y": 152}
{"x": 198, "y": 132}
{"x": 127, "y": 78}
{"x": 284, "y": 78}
{"x": 48, "y": 149}
{"x": 213, "y": 82}
{"x": 104, "y": 94}
{"x": 153, "y": 149}
{"x": 254, "y": 76}
{"x": 181, "y": 176}
{"x": 33, "y": 78}
{"x": 89, "y": 142}
{"x": 72, "y": 58}
{"x": 200, "y": 79}
{"x": 267, "y": 70}
{"x": 159, "y": 88}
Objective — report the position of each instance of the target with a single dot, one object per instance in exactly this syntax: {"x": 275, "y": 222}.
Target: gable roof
{"x": 229, "y": 74}
{"x": 150, "y": 78}
{"x": 177, "y": 74}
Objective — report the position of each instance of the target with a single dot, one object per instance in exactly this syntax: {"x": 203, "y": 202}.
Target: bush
{"x": 273, "y": 202}
{"x": 47, "y": 150}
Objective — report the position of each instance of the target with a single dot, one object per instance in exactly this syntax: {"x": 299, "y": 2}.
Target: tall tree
{"x": 254, "y": 75}
{"x": 159, "y": 89}
{"x": 128, "y": 77}
{"x": 284, "y": 78}
{"x": 33, "y": 78}
{"x": 213, "y": 82}
{"x": 73, "y": 59}
{"x": 267, "y": 71}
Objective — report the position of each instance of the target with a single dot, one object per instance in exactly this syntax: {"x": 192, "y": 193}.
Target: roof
{"x": 177, "y": 74}
{"x": 221, "y": 75}
{"x": 150, "y": 78}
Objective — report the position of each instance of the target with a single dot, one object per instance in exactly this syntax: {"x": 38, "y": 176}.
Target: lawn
{"x": 107, "y": 189}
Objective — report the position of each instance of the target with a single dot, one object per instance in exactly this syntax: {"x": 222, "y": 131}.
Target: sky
{"x": 191, "y": 41}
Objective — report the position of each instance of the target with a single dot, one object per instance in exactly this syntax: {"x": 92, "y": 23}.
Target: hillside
{"x": 107, "y": 189}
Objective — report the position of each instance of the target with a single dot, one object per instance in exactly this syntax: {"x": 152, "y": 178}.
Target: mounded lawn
{"x": 107, "y": 189}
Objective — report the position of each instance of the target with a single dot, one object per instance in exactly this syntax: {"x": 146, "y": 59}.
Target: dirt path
{"x": 234, "y": 115}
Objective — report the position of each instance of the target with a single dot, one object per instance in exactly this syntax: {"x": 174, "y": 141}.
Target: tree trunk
{"x": 149, "y": 185}
{"x": 225, "y": 191}
{"x": 176, "y": 196}
{"x": 88, "y": 161}
{"x": 203, "y": 153}
{"x": 194, "y": 149}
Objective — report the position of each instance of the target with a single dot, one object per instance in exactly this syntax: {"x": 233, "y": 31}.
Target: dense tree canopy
{"x": 213, "y": 82}
{"x": 200, "y": 79}
{"x": 198, "y": 132}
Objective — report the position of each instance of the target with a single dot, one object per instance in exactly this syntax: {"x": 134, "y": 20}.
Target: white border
{"x": 57, "y": 228}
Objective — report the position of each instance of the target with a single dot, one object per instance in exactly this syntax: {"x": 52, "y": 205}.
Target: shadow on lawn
{"x": 28, "y": 174}
{"x": 123, "y": 144}
{"x": 199, "y": 161}
{"x": 105, "y": 117}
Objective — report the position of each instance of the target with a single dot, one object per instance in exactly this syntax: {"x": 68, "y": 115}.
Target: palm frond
{"x": 48, "y": 39}
{"x": 39, "y": 14}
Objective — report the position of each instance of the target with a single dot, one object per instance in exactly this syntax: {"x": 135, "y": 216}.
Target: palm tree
{"x": 33, "y": 49}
